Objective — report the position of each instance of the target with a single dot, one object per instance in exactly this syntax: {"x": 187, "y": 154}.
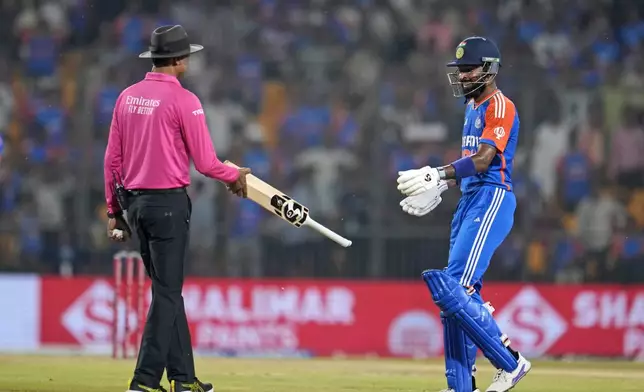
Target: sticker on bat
{"x": 289, "y": 209}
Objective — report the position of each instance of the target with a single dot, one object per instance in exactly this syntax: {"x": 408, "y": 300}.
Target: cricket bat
{"x": 285, "y": 207}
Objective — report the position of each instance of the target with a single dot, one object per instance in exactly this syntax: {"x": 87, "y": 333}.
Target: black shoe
{"x": 135, "y": 386}
{"x": 196, "y": 386}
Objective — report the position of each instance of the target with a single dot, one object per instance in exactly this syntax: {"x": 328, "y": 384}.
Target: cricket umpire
{"x": 157, "y": 128}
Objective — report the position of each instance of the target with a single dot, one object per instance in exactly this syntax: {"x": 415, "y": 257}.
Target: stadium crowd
{"x": 327, "y": 100}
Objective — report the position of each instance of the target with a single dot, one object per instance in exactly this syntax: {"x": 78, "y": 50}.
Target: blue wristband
{"x": 464, "y": 167}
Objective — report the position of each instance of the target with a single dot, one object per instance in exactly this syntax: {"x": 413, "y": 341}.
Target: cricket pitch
{"x": 100, "y": 374}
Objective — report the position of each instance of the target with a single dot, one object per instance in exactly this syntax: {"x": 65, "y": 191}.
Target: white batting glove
{"x": 415, "y": 211}
{"x": 416, "y": 181}
{"x": 424, "y": 203}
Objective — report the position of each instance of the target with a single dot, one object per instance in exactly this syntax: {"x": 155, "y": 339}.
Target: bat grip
{"x": 325, "y": 231}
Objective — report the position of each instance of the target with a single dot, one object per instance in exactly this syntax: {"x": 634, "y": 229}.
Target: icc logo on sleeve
{"x": 499, "y": 132}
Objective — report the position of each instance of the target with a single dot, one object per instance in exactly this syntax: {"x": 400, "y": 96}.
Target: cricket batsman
{"x": 482, "y": 220}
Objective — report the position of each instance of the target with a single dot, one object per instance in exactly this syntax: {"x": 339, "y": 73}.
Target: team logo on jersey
{"x": 499, "y": 132}
{"x": 460, "y": 52}
{"x": 477, "y": 123}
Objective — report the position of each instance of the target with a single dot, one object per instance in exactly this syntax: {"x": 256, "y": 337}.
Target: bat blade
{"x": 285, "y": 207}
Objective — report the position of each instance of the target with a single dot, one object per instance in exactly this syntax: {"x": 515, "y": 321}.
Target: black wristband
{"x": 111, "y": 215}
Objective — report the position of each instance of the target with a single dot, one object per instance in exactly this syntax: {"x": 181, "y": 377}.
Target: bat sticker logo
{"x": 289, "y": 209}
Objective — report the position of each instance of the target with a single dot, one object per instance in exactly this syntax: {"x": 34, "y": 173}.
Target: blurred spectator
{"x": 636, "y": 208}
{"x": 633, "y": 76}
{"x": 54, "y": 14}
{"x": 100, "y": 244}
{"x": 591, "y": 138}
{"x": 327, "y": 163}
{"x": 626, "y": 165}
{"x": 106, "y": 99}
{"x": 30, "y": 232}
{"x": 6, "y": 98}
{"x": 567, "y": 255}
{"x": 551, "y": 143}
{"x": 509, "y": 259}
{"x": 598, "y": 217}
{"x": 575, "y": 173}
{"x": 307, "y": 123}
{"x": 132, "y": 29}
{"x": 51, "y": 118}
{"x": 273, "y": 109}
{"x": 627, "y": 255}
{"x": 536, "y": 258}
{"x": 203, "y": 235}
{"x": 632, "y": 30}
{"x": 344, "y": 127}
{"x": 224, "y": 117}
{"x": 39, "y": 51}
{"x": 552, "y": 47}
{"x": 49, "y": 190}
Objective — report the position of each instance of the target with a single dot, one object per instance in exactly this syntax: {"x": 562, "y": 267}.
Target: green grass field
{"x": 83, "y": 374}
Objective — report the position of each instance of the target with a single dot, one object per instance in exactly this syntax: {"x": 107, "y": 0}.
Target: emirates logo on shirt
{"x": 141, "y": 105}
{"x": 141, "y": 101}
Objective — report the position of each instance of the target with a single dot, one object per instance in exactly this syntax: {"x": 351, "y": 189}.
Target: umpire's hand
{"x": 239, "y": 187}
{"x": 118, "y": 230}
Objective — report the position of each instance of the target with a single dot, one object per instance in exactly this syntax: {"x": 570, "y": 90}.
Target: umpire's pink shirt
{"x": 157, "y": 127}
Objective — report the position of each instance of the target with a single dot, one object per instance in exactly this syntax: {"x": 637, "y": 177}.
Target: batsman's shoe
{"x": 451, "y": 390}
{"x": 134, "y": 386}
{"x": 504, "y": 381}
{"x": 196, "y": 386}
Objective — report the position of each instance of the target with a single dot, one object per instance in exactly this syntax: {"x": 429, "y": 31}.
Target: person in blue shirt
{"x": 575, "y": 175}
{"x": 482, "y": 221}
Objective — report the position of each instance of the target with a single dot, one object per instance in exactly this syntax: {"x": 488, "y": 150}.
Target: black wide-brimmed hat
{"x": 169, "y": 42}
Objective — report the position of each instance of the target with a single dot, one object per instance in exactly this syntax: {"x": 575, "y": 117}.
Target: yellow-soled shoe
{"x": 135, "y": 386}
{"x": 196, "y": 386}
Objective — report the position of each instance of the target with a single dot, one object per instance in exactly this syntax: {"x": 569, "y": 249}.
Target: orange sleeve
{"x": 499, "y": 118}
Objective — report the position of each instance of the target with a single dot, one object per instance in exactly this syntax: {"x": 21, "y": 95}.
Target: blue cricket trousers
{"x": 483, "y": 219}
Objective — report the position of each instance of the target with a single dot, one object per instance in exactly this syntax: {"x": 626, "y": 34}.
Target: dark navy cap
{"x": 476, "y": 51}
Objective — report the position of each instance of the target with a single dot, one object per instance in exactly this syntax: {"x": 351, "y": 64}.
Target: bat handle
{"x": 325, "y": 231}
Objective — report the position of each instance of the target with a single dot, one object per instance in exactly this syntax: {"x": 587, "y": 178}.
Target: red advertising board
{"x": 384, "y": 318}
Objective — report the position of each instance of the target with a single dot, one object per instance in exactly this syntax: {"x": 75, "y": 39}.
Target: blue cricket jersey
{"x": 493, "y": 121}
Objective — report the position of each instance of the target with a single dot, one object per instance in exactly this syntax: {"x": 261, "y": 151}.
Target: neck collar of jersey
{"x": 161, "y": 77}
{"x": 485, "y": 99}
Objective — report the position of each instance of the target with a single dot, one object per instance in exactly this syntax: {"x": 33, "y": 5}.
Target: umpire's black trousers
{"x": 161, "y": 219}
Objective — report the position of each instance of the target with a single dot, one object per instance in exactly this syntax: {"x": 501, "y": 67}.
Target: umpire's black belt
{"x": 141, "y": 192}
